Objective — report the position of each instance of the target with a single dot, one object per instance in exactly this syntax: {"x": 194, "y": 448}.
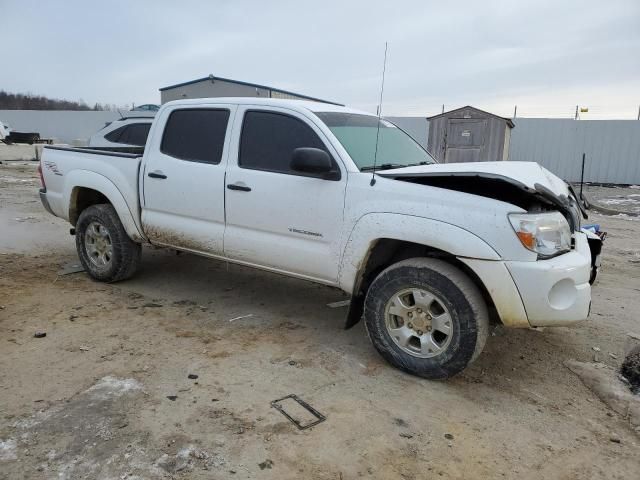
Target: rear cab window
{"x": 268, "y": 140}
{"x": 196, "y": 134}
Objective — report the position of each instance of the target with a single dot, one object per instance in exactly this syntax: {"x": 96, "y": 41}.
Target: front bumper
{"x": 556, "y": 291}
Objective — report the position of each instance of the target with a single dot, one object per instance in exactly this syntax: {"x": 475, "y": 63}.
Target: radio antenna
{"x": 375, "y": 155}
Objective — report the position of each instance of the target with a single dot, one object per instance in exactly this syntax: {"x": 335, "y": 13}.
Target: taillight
{"x": 41, "y": 176}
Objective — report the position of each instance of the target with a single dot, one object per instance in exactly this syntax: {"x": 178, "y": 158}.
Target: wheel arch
{"x": 89, "y": 188}
{"x": 380, "y": 238}
{"x": 384, "y": 252}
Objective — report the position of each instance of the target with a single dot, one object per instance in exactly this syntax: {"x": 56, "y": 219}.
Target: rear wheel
{"x": 105, "y": 250}
{"x": 426, "y": 317}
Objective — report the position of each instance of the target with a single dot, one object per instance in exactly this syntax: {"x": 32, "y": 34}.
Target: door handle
{"x": 157, "y": 174}
{"x": 238, "y": 186}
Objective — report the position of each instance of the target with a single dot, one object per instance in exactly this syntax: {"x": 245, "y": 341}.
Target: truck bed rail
{"x": 126, "y": 152}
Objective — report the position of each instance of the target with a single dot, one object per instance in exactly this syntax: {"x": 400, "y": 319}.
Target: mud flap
{"x": 356, "y": 310}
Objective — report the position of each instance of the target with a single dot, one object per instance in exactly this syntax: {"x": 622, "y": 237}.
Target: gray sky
{"x": 544, "y": 56}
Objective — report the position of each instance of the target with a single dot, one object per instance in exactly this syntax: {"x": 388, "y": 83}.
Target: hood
{"x": 525, "y": 184}
{"x": 528, "y": 174}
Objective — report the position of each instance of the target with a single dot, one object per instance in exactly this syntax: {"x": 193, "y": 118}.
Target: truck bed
{"x": 63, "y": 168}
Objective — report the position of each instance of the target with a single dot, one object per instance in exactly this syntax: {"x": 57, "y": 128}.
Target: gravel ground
{"x": 106, "y": 394}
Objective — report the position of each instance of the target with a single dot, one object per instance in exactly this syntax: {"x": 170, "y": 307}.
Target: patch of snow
{"x": 35, "y": 419}
{"x": 624, "y": 216}
{"x": 186, "y": 457}
{"x": 620, "y": 201}
{"x": 8, "y": 450}
{"x": 18, "y": 180}
{"x": 109, "y": 387}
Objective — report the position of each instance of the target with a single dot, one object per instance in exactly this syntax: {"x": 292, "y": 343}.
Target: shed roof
{"x": 446, "y": 114}
{"x": 248, "y": 84}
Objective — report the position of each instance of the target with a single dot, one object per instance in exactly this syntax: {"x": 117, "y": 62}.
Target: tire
{"x": 420, "y": 344}
{"x": 105, "y": 250}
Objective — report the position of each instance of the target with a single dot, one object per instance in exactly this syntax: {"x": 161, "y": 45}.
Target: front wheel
{"x": 105, "y": 250}
{"x": 426, "y": 317}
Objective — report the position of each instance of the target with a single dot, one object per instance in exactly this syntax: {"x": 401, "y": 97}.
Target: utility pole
{"x": 576, "y": 117}
{"x": 515, "y": 111}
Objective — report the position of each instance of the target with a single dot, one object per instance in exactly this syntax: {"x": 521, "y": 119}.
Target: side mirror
{"x": 311, "y": 160}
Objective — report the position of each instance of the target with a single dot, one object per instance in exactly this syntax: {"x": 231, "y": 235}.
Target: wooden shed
{"x": 469, "y": 134}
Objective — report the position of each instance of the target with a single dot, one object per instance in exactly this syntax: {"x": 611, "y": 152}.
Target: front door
{"x": 278, "y": 218}
{"x": 183, "y": 179}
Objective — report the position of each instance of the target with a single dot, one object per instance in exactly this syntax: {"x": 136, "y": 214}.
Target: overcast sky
{"x": 544, "y": 56}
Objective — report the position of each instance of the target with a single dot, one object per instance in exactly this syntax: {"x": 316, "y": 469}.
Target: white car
{"x": 430, "y": 254}
{"x": 123, "y": 133}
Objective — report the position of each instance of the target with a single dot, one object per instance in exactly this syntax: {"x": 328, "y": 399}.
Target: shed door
{"x": 465, "y": 139}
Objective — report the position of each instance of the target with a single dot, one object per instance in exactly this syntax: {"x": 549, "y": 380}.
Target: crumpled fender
{"x": 425, "y": 231}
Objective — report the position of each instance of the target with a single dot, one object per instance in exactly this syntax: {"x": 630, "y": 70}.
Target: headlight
{"x": 547, "y": 234}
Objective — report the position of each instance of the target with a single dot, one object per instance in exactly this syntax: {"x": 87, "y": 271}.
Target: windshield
{"x": 357, "y": 134}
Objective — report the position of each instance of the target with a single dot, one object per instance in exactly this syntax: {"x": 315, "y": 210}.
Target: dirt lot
{"x": 90, "y": 400}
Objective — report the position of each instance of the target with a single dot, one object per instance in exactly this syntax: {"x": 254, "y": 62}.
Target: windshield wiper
{"x": 418, "y": 164}
{"x": 384, "y": 166}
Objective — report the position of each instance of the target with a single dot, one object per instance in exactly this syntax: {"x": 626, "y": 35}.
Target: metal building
{"x": 211, "y": 86}
{"x": 469, "y": 134}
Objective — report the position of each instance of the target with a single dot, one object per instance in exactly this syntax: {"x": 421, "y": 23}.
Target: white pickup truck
{"x": 431, "y": 254}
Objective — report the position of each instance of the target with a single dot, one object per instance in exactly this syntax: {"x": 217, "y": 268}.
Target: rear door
{"x": 183, "y": 178}
{"x": 278, "y": 218}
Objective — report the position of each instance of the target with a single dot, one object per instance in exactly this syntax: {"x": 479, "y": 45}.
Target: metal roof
{"x": 248, "y": 84}
{"x": 508, "y": 120}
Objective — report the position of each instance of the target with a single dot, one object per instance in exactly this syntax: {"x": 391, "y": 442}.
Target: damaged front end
{"x": 532, "y": 198}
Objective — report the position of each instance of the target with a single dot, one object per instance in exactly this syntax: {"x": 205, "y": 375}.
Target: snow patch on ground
{"x": 186, "y": 458}
{"x": 604, "y": 382}
{"x": 110, "y": 387}
{"x": 619, "y": 201}
{"x": 8, "y": 450}
{"x": 624, "y": 216}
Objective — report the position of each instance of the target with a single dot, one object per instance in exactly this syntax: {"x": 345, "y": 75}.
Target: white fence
{"x": 63, "y": 126}
{"x": 612, "y": 147}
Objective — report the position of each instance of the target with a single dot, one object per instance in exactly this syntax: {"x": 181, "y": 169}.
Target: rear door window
{"x": 196, "y": 135}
